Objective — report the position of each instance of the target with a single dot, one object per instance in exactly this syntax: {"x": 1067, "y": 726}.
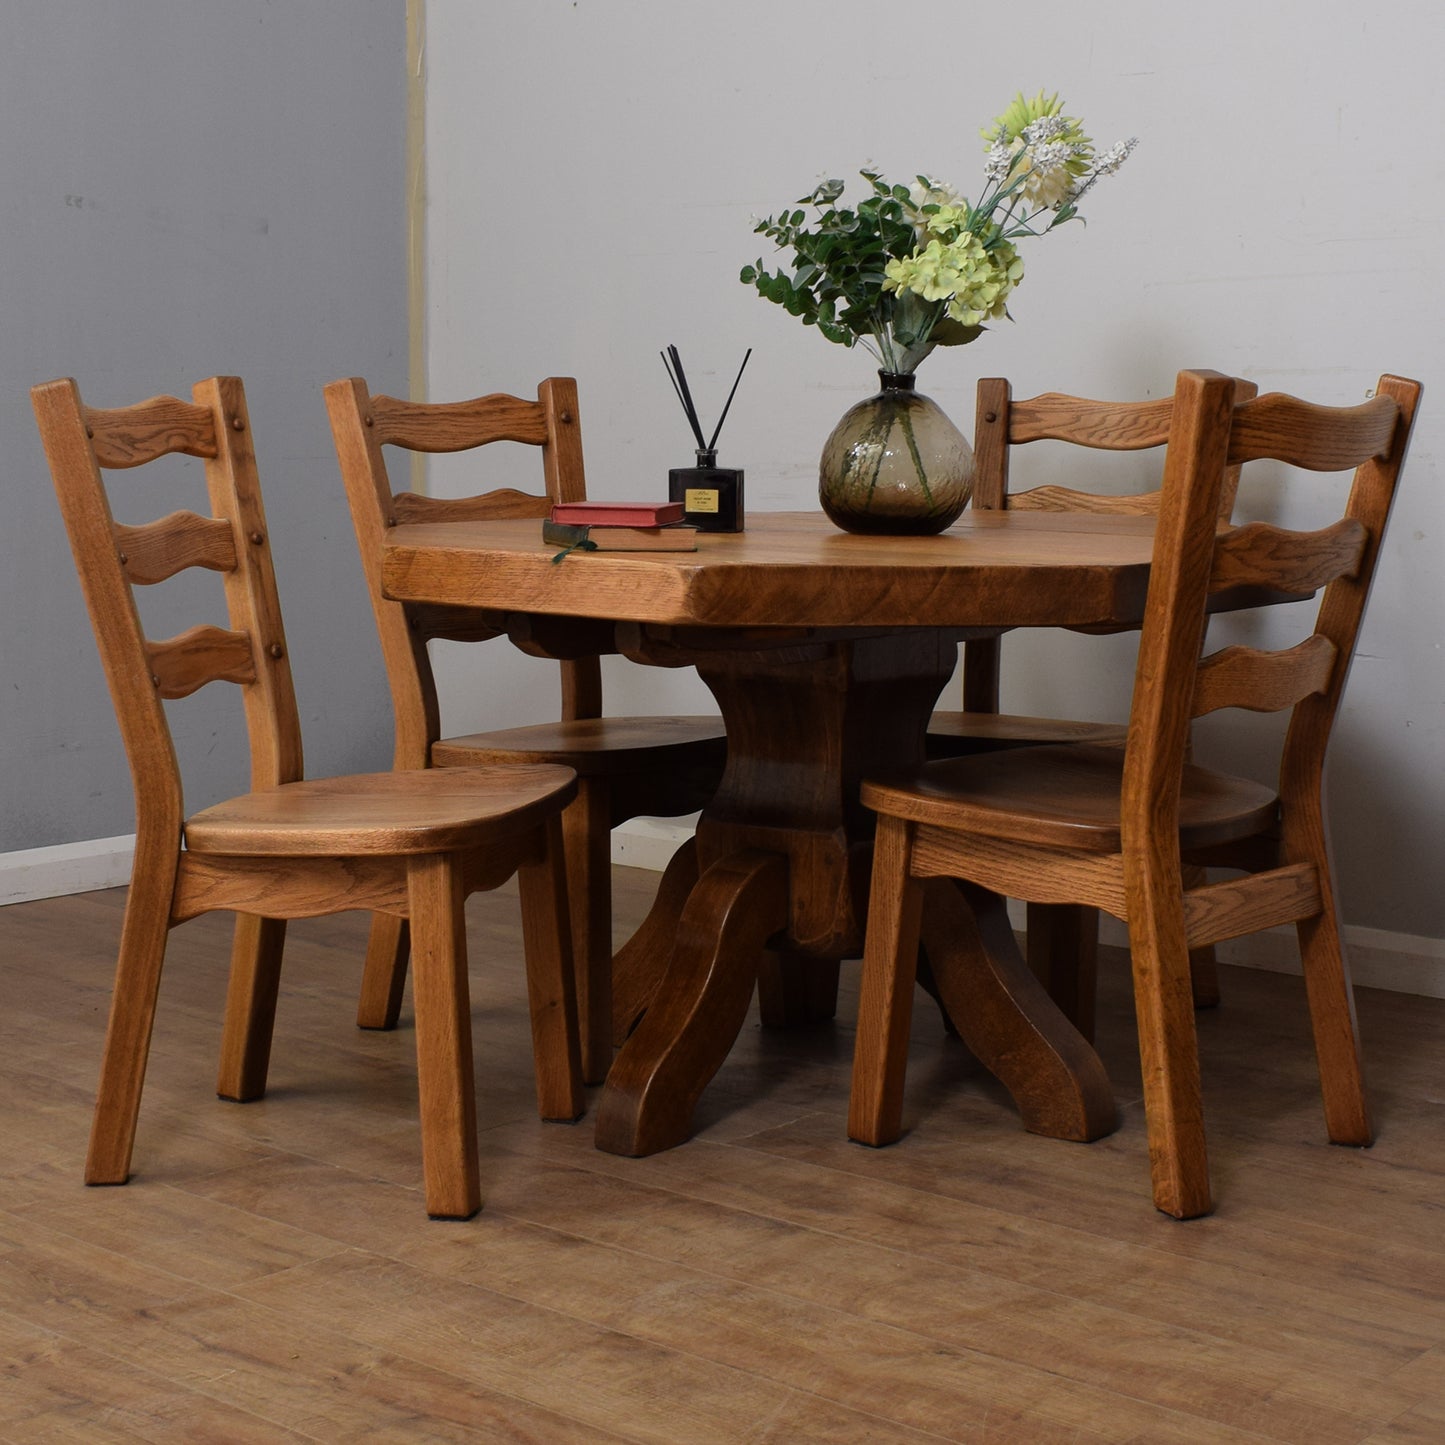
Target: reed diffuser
{"x": 711, "y": 496}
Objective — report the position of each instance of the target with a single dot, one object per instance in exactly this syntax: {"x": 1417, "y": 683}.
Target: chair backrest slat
{"x": 1262, "y": 555}
{"x": 157, "y": 550}
{"x": 362, "y": 424}
{"x": 1317, "y": 438}
{"x": 1066, "y": 499}
{"x": 458, "y": 426}
{"x": 1108, "y": 425}
{"x": 185, "y": 663}
{"x": 112, "y": 559}
{"x": 407, "y": 507}
{"x": 1247, "y": 677}
{"x": 131, "y": 436}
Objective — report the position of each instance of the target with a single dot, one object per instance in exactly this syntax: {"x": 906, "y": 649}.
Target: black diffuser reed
{"x": 711, "y": 496}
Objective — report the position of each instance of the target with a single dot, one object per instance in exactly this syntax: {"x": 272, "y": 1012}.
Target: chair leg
{"x": 1204, "y": 977}
{"x": 587, "y": 831}
{"x": 1168, "y": 1052}
{"x": 1336, "y": 1030}
{"x": 250, "y": 1007}
{"x": 885, "y": 1004}
{"x": 1062, "y": 947}
{"x": 383, "y": 977}
{"x": 1203, "y": 972}
{"x": 128, "y": 1034}
{"x": 441, "y": 1001}
{"x": 551, "y": 994}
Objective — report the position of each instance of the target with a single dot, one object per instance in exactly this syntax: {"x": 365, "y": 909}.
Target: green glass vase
{"x": 895, "y": 464}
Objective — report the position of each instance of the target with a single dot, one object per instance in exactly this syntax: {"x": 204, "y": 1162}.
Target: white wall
{"x": 593, "y": 168}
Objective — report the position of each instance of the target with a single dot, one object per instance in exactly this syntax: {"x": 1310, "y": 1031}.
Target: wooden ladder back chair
{"x": 1118, "y": 830}
{"x": 1062, "y": 942}
{"x": 394, "y": 842}
{"x": 626, "y": 767}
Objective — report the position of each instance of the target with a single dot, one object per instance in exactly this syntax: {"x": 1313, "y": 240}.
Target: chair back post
{"x": 1174, "y": 614}
{"x": 981, "y": 657}
{"x": 562, "y": 451}
{"x": 991, "y": 444}
{"x": 273, "y": 723}
{"x": 415, "y": 709}
{"x": 120, "y": 638}
{"x": 1342, "y": 607}
{"x": 567, "y": 482}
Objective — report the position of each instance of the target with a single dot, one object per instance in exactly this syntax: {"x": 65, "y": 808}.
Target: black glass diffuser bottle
{"x": 711, "y": 496}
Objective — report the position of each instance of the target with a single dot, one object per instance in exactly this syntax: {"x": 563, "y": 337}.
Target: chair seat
{"x": 408, "y": 812}
{"x": 1005, "y": 730}
{"x": 594, "y": 747}
{"x": 1064, "y": 797}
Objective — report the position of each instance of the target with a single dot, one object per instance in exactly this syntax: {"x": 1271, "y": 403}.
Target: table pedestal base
{"x": 772, "y": 893}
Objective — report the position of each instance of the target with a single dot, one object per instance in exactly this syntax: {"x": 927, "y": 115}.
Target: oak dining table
{"x": 826, "y": 653}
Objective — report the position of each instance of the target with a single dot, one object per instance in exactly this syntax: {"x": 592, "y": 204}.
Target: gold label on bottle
{"x": 700, "y": 499}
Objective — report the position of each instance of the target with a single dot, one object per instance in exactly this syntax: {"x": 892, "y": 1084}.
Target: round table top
{"x": 795, "y": 569}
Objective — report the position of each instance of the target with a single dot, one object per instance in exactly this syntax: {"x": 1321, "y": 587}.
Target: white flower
{"x": 1115, "y": 156}
{"x": 999, "y": 163}
{"x": 1045, "y": 128}
{"x": 1049, "y": 156}
{"x": 1105, "y": 165}
{"x": 1048, "y": 181}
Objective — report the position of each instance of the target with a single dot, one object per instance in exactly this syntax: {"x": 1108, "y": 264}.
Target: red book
{"x": 618, "y": 514}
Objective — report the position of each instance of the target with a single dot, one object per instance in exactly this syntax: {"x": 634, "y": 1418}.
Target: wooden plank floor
{"x": 269, "y": 1274}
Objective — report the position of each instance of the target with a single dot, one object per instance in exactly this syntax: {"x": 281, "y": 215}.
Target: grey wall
{"x": 190, "y": 187}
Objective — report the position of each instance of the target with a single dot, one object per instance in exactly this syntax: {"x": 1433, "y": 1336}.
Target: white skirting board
{"x": 1378, "y": 958}
{"x": 66, "y": 868}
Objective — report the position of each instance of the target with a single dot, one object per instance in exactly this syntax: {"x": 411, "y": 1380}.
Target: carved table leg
{"x": 699, "y": 1006}
{"x": 638, "y": 966}
{"x": 1006, "y": 1018}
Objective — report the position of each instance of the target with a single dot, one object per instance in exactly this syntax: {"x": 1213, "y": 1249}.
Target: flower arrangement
{"x": 909, "y": 269}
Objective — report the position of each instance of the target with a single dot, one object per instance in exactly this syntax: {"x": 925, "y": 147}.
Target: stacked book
{"x": 619, "y": 527}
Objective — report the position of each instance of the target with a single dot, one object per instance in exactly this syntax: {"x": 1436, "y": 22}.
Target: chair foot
{"x": 1336, "y": 1030}
{"x": 445, "y": 1082}
{"x": 383, "y": 976}
{"x": 551, "y": 997}
{"x": 586, "y": 830}
{"x": 250, "y": 1007}
{"x": 132, "y": 1014}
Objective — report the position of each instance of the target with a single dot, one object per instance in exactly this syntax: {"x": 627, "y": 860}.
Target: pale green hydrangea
{"x": 975, "y": 282}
